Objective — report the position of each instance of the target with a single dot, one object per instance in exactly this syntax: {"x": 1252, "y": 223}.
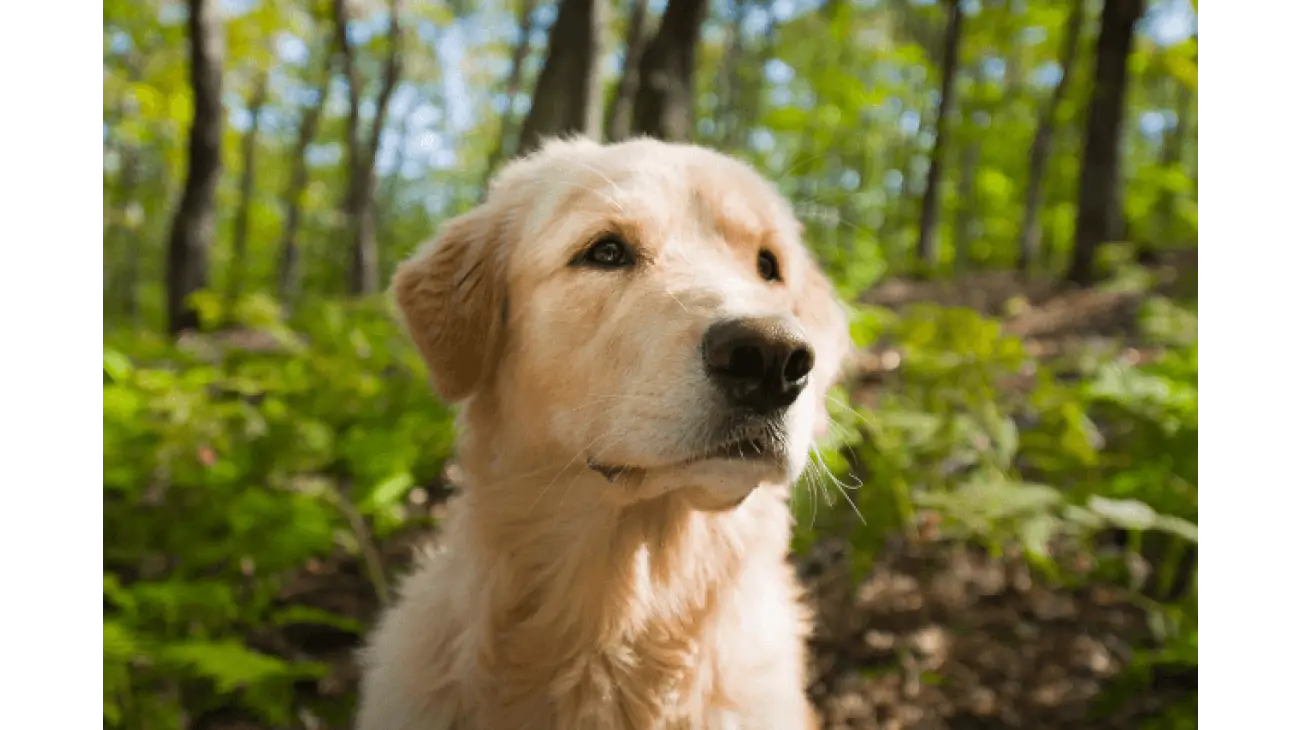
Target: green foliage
{"x": 971, "y": 432}
{"x": 226, "y": 467}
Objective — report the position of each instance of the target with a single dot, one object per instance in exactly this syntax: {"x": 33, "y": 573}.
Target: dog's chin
{"x": 725, "y": 483}
{"x": 715, "y": 479}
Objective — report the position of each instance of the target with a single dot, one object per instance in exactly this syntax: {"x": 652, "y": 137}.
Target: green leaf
{"x": 1083, "y": 517}
{"x": 1036, "y": 533}
{"x": 121, "y": 647}
{"x": 867, "y": 324}
{"x": 231, "y": 665}
{"x": 116, "y": 365}
{"x": 120, "y": 644}
{"x": 1177, "y": 526}
{"x": 1130, "y": 514}
{"x": 299, "y": 614}
{"x": 114, "y": 593}
{"x": 985, "y": 501}
{"x": 387, "y": 493}
{"x": 787, "y": 119}
{"x": 210, "y": 308}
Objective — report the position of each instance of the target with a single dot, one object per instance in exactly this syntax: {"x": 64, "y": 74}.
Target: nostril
{"x": 760, "y": 364}
{"x": 746, "y": 362}
{"x": 799, "y": 364}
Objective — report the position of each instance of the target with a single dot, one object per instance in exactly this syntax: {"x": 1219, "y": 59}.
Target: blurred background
{"x": 1002, "y": 530}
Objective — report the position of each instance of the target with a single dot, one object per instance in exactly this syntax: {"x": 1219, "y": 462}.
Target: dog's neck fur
{"x": 576, "y": 585}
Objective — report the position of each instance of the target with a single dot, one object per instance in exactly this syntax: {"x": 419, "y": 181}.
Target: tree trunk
{"x": 967, "y": 191}
{"x": 966, "y": 204}
{"x": 1099, "y": 177}
{"x": 665, "y": 101}
{"x": 247, "y": 176}
{"x": 619, "y": 124}
{"x": 287, "y": 275}
{"x": 513, "y": 83}
{"x": 927, "y": 249}
{"x": 363, "y": 275}
{"x": 361, "y": 239}
{"x": 192, "y": 226}
{"x": 567, "y": 98}
{"x": 1041, "y": 150}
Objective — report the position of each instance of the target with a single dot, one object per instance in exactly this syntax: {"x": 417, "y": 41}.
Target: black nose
{"x": 760, "y": 363}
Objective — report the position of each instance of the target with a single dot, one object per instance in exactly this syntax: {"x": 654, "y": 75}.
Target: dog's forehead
{"x": 677, "y": 201}
{"x": 660, "y": 184}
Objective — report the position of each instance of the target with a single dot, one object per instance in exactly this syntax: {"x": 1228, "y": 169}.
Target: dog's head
{"x": 646, "y": 309}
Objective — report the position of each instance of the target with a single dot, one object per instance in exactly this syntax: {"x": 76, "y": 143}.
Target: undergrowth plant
{"x": 1089, "y": 455}
{"x": 227, "y": 467}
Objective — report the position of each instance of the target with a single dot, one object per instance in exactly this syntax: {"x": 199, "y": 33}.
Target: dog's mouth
{"x": 744, "y": 448}
{"x": 747, "y": 448}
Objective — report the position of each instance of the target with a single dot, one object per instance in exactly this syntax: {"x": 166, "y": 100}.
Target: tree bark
{"x": 192, "y": 226}
{"x": 927, "y": 249}
{"x": 287, "y": 274}
{"x": 1099, "y": 176}
{"x": 966, "y": 204}
{"x": 247, "y": 176}
{"x": 363, "y": 276}
{"x": 567, "y": 98}
{"x": 665, "y": 100}
{"x": 1041, "y": 149}
{"x": 619, "y": 124}
{"x": 968, "y": 209}
{"x": 513, "y": 83}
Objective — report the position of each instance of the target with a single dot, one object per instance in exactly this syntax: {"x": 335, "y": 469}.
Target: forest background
{"x": 1006, "y": 190}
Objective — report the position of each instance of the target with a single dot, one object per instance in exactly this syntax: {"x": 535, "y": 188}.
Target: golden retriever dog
{"x": 640, "y": 348}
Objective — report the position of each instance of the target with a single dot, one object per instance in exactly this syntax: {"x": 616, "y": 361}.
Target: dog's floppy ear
{"x": 827, "y": 323}
{"x": 452, "y": 296}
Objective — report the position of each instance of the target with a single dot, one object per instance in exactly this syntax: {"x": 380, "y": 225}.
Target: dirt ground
{"x": 939, "y": 636}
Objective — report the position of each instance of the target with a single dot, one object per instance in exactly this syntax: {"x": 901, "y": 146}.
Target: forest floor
{"x": 939, "y": 636}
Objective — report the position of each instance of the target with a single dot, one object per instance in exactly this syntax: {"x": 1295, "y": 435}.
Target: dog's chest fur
{"x": 665, "y": 672}
{"x": 644, "y": 636}
{"x": 668, "y": 626}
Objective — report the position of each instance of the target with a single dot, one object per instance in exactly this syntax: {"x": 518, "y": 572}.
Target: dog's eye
{"x": 767, "y": 267}
{"x": 610, "y": 252}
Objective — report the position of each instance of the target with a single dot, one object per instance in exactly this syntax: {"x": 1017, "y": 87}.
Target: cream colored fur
{"x": 561, "y": 600}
